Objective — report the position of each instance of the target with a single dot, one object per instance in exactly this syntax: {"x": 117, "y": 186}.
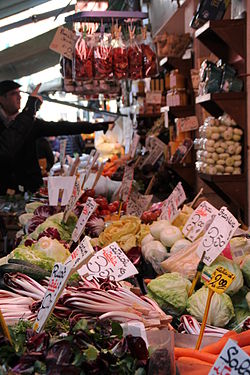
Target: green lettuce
{"x": 30, "y": 207}
{"x": 33, "y": 256}
{"x": 170, "y": 291}
{"x": 238, "y": 282}
{"x": 245, "y": 268}
{"x": 221, "y": 309}
{"x": 51, "y": 248}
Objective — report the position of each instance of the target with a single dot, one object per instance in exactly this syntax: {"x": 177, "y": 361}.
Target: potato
{"x": 227, "y": 135}
{"x": 238, "y": 150}
{"x": 220, "y": 168}
{"x": 231, "y": 149}
{"x": 222, "y": 128}
{"x": 229, "y": 169}
{"x": 229, "y": 161}
{"x": 210, "y": 149}
{"x": 215, "y": 156}
{"x": 236, "y": 137}
{"x": 221, "y": 162}
{"x": 220, "y": 150}
{"x": 237, "y": 171}
{"x": 237, "y": 163}
{"x": 215, "y": 136}
{"x": 238, "y": 131}
{"x": 224, "y": 155}
{"x": 223, "y": 145}
{"x": 236, "y": 157}
{"x": 210, "y": 161}
{"x": 210, "y": 142}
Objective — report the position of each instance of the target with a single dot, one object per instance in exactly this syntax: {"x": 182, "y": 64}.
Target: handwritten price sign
{"x": 169, "y": 209}
{"x": 89, "y": 207}
{"x": 64, "y": 42}
{"x": 109, "y": 262}
{"x": 217, "y": 236}
{"x": 231, "y": 361}
{"x": 137, "y": 203}
{"x": 77, "y": 192}
{"x": 221, "y": 280}
{"x": 196, "y": 223}
{"x": 127, "y": 181}
{"x": 81, "y": 254}
{"x": 134, "y": 144}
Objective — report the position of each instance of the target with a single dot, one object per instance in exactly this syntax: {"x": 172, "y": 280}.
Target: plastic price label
{"x": 88, "y": 208}
{"x": 196, "y": 223}
{"x": 134, "y": 144}
{"x": 220, "y": 280}
{"x": 231, "y": 361}
{"x": 217, "y": 236}
{"x": 109, "y": 262}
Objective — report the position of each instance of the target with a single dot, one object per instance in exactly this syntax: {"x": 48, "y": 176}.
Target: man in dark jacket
{"x": 19, "y": 167}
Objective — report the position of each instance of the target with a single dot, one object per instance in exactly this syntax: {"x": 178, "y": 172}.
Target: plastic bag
{"x": 83, "y": 59}
{"x": 120, "y": 56}
{"x": 103, "y": 58}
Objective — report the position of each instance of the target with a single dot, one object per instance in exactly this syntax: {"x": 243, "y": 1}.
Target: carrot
{"x": 193, "y": 353}
{"x": 243, "y": 338}
{"x": 246, "y": 349}
{"x": 192, "y": 360}
{"x": 217, "y": 347}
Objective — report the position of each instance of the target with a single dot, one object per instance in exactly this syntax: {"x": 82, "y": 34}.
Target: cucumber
{"x": 28, "y": 264}
{"x": 27, "y": 270}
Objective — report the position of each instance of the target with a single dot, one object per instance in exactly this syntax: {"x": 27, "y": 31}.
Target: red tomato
{"x": 103, "y": 203}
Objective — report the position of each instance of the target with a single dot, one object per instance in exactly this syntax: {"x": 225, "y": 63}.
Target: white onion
{"x": 170, "y": 235}
{"x": 157, "y": 227}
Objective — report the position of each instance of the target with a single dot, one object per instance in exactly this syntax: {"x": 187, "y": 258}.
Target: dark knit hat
{"x": 6, "y": 86}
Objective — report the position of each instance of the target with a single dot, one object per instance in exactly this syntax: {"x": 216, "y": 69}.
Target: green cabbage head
{"x": 170, "y": 291}
{"x": 221, "y": 309}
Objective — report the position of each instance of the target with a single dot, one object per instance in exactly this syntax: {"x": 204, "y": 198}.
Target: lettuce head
{"x": 238, "y": 282}
{"x": 51, "y": 248}
{"x": 170, "y": 291}
{"x": 221, "y": 309}
{"x": 33, "y": 256}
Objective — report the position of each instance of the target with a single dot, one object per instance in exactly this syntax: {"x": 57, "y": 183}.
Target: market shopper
{"x": 19, "y": 167}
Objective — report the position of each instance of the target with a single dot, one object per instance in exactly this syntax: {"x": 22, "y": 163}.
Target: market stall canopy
{"x": 11, "y": 7}
{"x": 28, "y": 57}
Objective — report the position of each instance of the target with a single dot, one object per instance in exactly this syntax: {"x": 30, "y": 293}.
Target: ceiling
{"x": 11, "y": 7}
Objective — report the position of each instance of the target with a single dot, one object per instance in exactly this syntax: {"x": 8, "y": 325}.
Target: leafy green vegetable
{"x": 30, "y": 207}
{"x": 238, "y": 282}
{"x": 245, "y": 268}
{"x": 221, "y": 309}
{"x": 170, "y": 291}
{"x": 51, "y": 248}
{"x": 33, "y": 256}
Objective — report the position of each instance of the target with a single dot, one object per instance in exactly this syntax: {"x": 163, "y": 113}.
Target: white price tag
{"x": 231, "y": 361}
{"x": 81, "y": 254}
{"x": 88, "y": 209}
{"x": 138, "y": 203}
{"x": 186, "y": 124}
{"x": 134, "y": 144}
{"x": 64, "y": 42}
{"x": 77, "y": 192}
{"x": 217, "y": 236}
{"x": 57, "y": 183}
{"x": 58, "y": 279}
{"x": 109, "y": 262}
{"x": 179, "y": 193}
{"x": 127, "y": 181}
{"x": 169, "y": 209}
{"x": 63, "y": 144}
{"x": 197, "y": 222}
{"x": 95, "y": 155}
{"x": 156, "y": 149}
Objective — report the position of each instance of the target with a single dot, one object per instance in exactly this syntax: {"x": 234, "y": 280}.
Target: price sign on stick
{"x": 88, "y": 209}
{"x": 63, "y": 143}
{"x": 169, "y": 209}
{"x": 138, "y": 203}
{"x": 232, "y": 360}
{"x": 220, "y": 280}
{"x": 109, "y": 262}
{"x": 179, "y": 194}
{"x": 57, "y": 184}
{"x": 64, "y": 42}
{"x": 127, "y": 181}
{"x": 217, "y": 236}
{"x": 134, "y": 144}
{"x": 95, "y": 155}
{"x": 196, "y": 223}
{"x": 77, "y": 192}
{"x": 58, "y": 279}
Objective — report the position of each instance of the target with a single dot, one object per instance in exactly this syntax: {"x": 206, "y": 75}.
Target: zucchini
{"x": 27, "y": 270}
{"x": 28, "y": 264}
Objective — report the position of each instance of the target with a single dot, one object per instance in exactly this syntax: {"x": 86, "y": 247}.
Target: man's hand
{"x": 35, "y": 92}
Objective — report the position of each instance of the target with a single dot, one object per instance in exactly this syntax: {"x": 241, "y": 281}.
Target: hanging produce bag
{"x": 103, "y": 58}
{"x": 150, "y": 64}
{"x": 83, "y": 59}
{"x": 120, "y": 56}
{"x": 135, "y": 57}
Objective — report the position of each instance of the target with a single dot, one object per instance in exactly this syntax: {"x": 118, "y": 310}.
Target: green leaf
{"x": 91, "y": 353}
{"x": 117, "y": 330}
{"x": 82, "y": 324}
{"x": 39, "y": 367}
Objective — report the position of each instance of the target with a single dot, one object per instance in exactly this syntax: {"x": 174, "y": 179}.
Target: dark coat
{"x": 18, "y": 158}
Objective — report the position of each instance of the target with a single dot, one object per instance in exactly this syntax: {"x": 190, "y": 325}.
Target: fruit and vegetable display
{"x": 93, "y": 323}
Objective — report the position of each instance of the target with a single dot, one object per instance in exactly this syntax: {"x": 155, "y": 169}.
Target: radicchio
{"x": 50, "y": 232}
{"x": 45, "y": 211}
{"x": 34, "y": 222}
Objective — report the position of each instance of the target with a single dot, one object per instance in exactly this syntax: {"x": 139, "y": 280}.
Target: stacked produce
{"x": 219, "y": 147}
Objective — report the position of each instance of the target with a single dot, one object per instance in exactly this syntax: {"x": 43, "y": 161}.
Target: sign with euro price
{"x": 127, "y": 181}
{"x": 64, "y": 42}
{"x": 88, "y": 208}
{"x": 138, "y": 203}
{"x": 197, "y": 222}
{"x": 110, "y": 262}
{"x": 231, "y": 361}
{"x": 221, "y": 280}
{"x": 217, "y": 236}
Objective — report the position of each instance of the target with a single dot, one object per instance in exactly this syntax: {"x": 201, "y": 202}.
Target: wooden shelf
{"x": 180, "y": 110}
{"x": 225, "y": 38}
{"x": 232, "y": 189}
{"x": 183, "y": 65}
{"x": 232, "y": 103}
{"x": 148, "y": 115}
{"x": 185, "y": 171}
{"x": 106, "y": 16}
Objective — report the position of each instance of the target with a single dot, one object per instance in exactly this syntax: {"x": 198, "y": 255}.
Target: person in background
{"x": 19, "y": 166}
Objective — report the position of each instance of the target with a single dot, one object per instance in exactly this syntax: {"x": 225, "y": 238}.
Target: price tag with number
{"x": 169, "y": 209}
{"x": 109, "y": 262}
{"x": 77, "y": 192}
{"x": 217, "y": 236}
{"x": 82, "y": 253}
{"x": 88, "y": 208}
{"x": 58, "y": 279}
{"x": 179, "y": 194}
{"x": 197, "y": 222}
{"x": 64, "y": 42}
{"x": 127, "y": 181}
{"x": 220, "y": 280}
{"x": 138, "y": 203}
{"x": 231, "y": 361}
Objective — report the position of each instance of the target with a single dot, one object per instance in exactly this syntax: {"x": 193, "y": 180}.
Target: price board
{"x": 77, "y": 192}
{"x": 169, "y": 210}
{"x": 231, "y": 361}
{"x": 57, "y": 184}
{"x": 109, "y": 262}
{"x": 197, "y": 222}
{"x": 127, "y": 181}
{"x": 217, "y": 236}
{"x": 88, "y": 208}
{"x": 220, "y": 280}
{"x": 138, "y": 203}
{"x": 64, "y": 42}
{"x": 95, "y": 155}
